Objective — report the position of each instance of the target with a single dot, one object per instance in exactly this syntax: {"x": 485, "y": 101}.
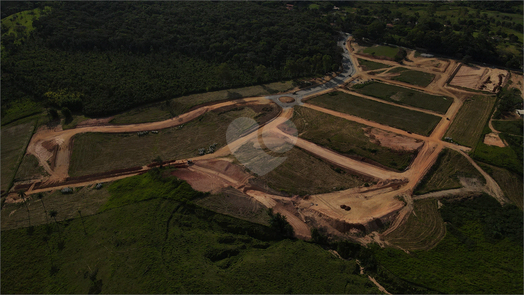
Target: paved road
{"x": 347, "y": 71}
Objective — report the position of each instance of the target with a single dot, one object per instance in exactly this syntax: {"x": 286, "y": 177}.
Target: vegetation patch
{"x": 412, "y": 77}
{"x": 481, "y": 252}
{"x": 29, "y": 169}
{"x": 513, "y": 127}
{"x": 14, "y": 141}
{"x": 406, "y": 96}
{"x": 346, "y": 137}
{"x": 423, "y": 229}
{"x": 468, "y": 124}
{"x": 444, "y": 174}
{"x": 382, "y": 51}
{"x": 393, "y": 116}
{"x": 510, "y": 183}
{"x": 368, "y": 65}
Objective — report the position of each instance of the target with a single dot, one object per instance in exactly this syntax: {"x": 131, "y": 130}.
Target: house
{"x": 520, "y": 113}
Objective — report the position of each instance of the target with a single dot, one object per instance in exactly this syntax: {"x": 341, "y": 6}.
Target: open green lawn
{"x": 423, "y": 229}
{"x": 480, "y": 254}
{"x": 406, "y": 96}
{"x": 180, "y": 105}
{"x": 346, "y": 137}
{"x": 165, "y": 246}
{"x": 382, "y": 51}
{"x": 98, "y": 152}
{"x": 417, "y": 78}
{"x": 20, "y": 109}
{"x": 513, "y": 127}
{"x": 371, "y": 65}
{"x": 14, "y": 142}
{"x": 467, "y": 126}
{"x": 21, "y": 24}
{"x": 445, "y": 172}
{"x": 393, "y": 116}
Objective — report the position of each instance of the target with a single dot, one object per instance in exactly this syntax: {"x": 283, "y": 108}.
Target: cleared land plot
{"x": 371, "y": 65}
{"x": 512, "y": 127}
{"x": 14, "y": 141}
{"x": 98, "y": 152}
{"x": 382, "y": 51}
{"x": 393, "y": 116}
{"x": 30, "y": 169}
{"x": 510, "y": 183}
{"x": 180, "y": 105}
{"x": 467, "y": 126}
{"x": 301, "y": 173}
{"x": 479, "y": 78}
{"x": 413, "y": 77}
{"x": 423, "y": 229}
{"x": 405, "y": 96}
{"x": 445, "y": 172}
{"x": 346, "y": 137}
{"x": 86, "y": 199}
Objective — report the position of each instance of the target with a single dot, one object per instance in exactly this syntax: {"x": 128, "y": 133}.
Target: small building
{"x": 520, "y": 113}
{"x": 289, "y": 6}
{"x": 66, "y": 190}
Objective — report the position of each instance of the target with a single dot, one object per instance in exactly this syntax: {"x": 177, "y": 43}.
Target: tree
{"x": 52, "y": 113}
{"x": 22, "y": 195}
{"x": 40, "y": 196}
{"x": 279, "y": 223}
{"x": 466, "y": 59}
{"x": 67, "y": 114}
{"x": 401, "y": 55}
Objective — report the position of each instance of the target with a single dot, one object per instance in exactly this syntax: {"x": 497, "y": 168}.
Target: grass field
{"x": 510, "y": 183}
{"x": 467, "y": 126}
{"x": 467, "y": 260}
{"x": 301, "y": 173}
{"x": 20, "y": 109}
{"x": 445, "y": 172}
{"x": 14, "y": 141}
{"x": 21, "y": 24}
{"x": 163, "y": 246}
{"x": 382, "y": 51}
{"x": 412, "y": 77}
{"x": 368, "y": 65}
{"x": 393, "y": 116}
{"x": 346, "y": 137}
{"x": 87, "y": 199}
{"x": 509, "y": 126}
{"x": 406, "y": 96}
{"x": 96, "y": 152}
{"x": 29, "y": 169}
{"x": 180, "y": 105}
{"x": 423, "y": 229}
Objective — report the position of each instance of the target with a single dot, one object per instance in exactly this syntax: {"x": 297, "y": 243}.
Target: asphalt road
{"x": 347, "y": 71}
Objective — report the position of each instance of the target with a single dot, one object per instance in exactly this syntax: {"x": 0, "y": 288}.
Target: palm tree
{"x": 81, "y": 219}
{"x": 40, "y": 196}
{"x": 22, "y": 195}
{"x": 54, "y": 213}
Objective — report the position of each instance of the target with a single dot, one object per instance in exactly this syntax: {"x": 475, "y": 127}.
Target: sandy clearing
{"x": 494, "y": 140}
{"x": 391, "y": 140}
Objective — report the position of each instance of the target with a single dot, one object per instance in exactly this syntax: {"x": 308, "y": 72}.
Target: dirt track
{"x": 379, "y": 201}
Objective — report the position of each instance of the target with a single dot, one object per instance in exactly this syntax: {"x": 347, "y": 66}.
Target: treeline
{"x": 118, "y": 55}
{"x": 464, "y": 33}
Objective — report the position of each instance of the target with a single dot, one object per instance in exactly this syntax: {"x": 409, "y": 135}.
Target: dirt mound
{"x": 494, "y": 140}
{"x": 286, "y": 99}
{"x": 392, "y": 140}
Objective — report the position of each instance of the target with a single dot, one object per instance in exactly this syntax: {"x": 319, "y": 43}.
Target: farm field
{"x": 468, "y": 124}
{"x": 446, "y": 171}
{"x": 368, "y": 65}
{"x": 469, "y": 259}
{"x": 98, "y": 152}
{"x": 163, "y": 246}
{"x": 14, "y": 142}
{"x": 382, "y": 51}
{"x": 349, "y": 138}
{"x": 303, "y": 174}
{"x": 393, "y": 116}
{"x": 179, "y": 105}
{"x": 406, "y": 96}
{"x": 423, "y": 229}
{"x": 413, "y": 77}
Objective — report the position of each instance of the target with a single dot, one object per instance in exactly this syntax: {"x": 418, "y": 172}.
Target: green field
{"x": 480, "y": 254}
{"x": 300, "y": 173}
{"x": 423, "y": 229}
{"x": 468, "y": 124}
{"x": 368, "y": 65}
{"x": 346, "y": 137}
{"x": 21, "y": 24}
{"x": 98, "y": 152}
{"x": 180, "y": 105}
{"x": 510, "y": 183}
{"x": 382, "y": 51}
{"x": 164, "y": 246}
{"x": 509, "y": 126}
{"x": 22, "y": 108}
{"x": 445, "y": 173}
{"x": 412, "y": 77}
{"x": 393, "y": 116}
{"x": 29, "y": 168}
{"x": 406, "y": 96}
{"x": 14, "y": 141}
{"x": 509, "y": 157}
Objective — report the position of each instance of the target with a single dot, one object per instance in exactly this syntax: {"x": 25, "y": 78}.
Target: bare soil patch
{"x": 494, "y": 140}
{"x": 479, "y": 78}
{"x": 286, "y": 99}
{"x": 392, "y": 140}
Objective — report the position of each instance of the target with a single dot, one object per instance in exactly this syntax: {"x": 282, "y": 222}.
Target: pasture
{"x": 368, "y": 65}
{"x": 14, "y": 142}
{"x": 412, "y": 77}
{"x": 381, "y": 51}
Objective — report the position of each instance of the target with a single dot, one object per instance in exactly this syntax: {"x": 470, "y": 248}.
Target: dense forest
{"x": 105, "y": 57}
